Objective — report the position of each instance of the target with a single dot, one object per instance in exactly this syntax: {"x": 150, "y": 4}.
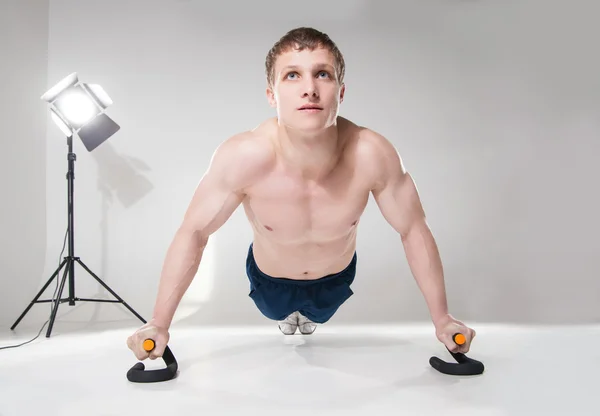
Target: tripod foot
{"x": 112, "y": 292}
{"x": 35, "y": 299}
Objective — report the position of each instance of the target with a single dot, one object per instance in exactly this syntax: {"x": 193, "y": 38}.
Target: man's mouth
{"x": 310, "y": 107}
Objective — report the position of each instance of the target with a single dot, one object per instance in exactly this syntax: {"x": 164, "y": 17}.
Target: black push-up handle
{"x": 137, "y": 374}
{"x": 464, "y": 365}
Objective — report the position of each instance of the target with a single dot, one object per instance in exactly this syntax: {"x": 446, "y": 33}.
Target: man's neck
{"x": 313, "y": 155}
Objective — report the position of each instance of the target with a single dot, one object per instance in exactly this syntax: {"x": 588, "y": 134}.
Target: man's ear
{"x": 342, "y": 92}
{"x": 271, "y": 97}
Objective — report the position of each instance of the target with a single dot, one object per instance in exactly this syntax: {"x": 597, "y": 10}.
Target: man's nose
{"x": 310, "y": 89}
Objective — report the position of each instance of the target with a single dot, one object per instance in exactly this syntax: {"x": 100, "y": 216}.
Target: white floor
{"x": 336, "y": 371}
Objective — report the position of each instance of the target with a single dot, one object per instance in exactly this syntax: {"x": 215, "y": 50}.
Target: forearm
{"x": 180, "y": 266}
{"x": 426, "y": 266}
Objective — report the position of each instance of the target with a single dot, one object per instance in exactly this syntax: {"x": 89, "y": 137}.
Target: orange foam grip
{"x": 148, "y": 345}
{"x": 459, "y": 339}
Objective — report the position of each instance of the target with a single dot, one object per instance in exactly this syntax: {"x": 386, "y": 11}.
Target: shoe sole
{"x": 286, "y": 333}
{"x": 307, "y": 333}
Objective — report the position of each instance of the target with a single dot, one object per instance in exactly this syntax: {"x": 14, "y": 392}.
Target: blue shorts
{"x": 318, "y": 299}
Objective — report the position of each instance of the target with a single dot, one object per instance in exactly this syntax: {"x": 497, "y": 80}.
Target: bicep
{"x": 395, "y": 191}
{"x": 399, "y": 203}
{"x": 220, "y": 191}
{"x": 213, "y": 202}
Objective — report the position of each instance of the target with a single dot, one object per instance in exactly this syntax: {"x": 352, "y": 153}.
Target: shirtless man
{"x": 304, "y": 179}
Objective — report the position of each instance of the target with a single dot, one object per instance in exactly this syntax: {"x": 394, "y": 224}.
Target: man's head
{"x": 305, "y": 67}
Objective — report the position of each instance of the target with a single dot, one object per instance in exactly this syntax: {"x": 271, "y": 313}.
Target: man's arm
{"x": 235, "y": 164}
{"x": 398, "y": 199}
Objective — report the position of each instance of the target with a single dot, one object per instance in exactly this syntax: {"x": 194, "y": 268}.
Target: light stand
{"x": 93, "y": 132}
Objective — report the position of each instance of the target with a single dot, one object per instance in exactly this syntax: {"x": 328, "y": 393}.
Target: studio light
{"x": 76, "y": 108}
{"x": 79, "y": 107}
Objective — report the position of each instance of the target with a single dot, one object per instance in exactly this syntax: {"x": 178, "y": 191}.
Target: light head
{"x": 77, "y": 107}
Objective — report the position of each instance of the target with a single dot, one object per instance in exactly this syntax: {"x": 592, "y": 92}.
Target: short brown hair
{"x": 301, "y": 38}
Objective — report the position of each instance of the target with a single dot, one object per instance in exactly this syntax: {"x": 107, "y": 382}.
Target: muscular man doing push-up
{"x": 304, "y": 178}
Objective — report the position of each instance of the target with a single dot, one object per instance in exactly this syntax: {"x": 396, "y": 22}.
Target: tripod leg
{"x": 58, "y": 296}
{"x": 39, "y": 294}
{"x": 110, "y": 290}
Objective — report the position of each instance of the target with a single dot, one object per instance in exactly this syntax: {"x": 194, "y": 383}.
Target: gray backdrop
{"x": 494, "y": 107}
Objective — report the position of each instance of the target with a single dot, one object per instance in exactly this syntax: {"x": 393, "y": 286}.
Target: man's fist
{"x": 159, "y": 335}
{"x": 445, "y": 329}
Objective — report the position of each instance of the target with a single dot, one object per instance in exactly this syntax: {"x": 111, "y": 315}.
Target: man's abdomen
{"x": 303, "y": 261}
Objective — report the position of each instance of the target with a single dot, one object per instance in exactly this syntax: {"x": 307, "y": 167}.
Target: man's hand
{"x": 150, "y": 330}
{"x": 446, "y": 327}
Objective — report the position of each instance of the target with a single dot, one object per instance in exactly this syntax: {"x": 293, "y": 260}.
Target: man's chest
{"x": 292, "y": 208}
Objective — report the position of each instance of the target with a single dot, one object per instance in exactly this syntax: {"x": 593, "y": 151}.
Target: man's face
{"x": 306, "y": 78}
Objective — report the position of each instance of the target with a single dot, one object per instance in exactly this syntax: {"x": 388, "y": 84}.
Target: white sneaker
{"x": 306, "y": 326}
{"x": 289, "y": 325}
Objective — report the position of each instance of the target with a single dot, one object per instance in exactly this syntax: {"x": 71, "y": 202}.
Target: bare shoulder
{"x": 376, "y": 155}
{"x": 375, "y": 147}
{"x": 243, "y": 158}
{"x": 249, "y": 146}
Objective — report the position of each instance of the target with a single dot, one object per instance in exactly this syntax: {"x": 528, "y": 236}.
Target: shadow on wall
{"x": 121, "y": 178}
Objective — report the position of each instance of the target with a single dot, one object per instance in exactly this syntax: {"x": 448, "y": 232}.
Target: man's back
{"x": 304, "y": 226}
